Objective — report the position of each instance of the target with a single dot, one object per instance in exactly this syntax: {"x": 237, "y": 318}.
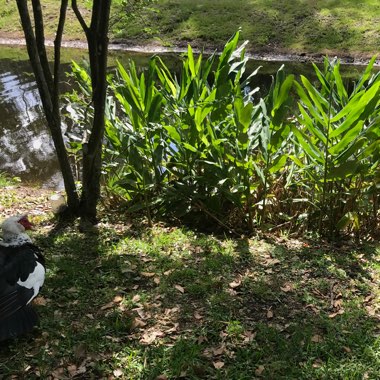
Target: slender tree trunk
{"x": 97, "y": 39}
{"x": 48, "y": 87}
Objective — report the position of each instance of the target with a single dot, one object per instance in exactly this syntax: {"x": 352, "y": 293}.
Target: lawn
{"x": 298, "y": 26}
{"x": 131, "y": 302}
{"x": 348, "y": 28}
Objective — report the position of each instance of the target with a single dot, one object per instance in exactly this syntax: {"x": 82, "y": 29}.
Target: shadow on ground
{"x": 131, "y": 303}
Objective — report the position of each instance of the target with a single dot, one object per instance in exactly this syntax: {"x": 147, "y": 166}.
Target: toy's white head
{"x": 14, "y": 228}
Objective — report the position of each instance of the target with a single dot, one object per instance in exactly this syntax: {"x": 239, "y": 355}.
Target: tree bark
{"x": 97, "y": 40}
{"x": 49, "y": 90}
{"x": 48, "y": 86}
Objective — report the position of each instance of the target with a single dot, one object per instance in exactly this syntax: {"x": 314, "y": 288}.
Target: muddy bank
{"x": 264, "y": 54}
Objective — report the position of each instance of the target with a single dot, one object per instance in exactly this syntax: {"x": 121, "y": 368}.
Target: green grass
{"x": 343, "y": 27}
{"x": 131, "y": 302}
{"x": 8, "y": 180}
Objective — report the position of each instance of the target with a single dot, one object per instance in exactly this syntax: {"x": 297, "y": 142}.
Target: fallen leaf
{"x": 219, "y": 351}
{"x": 108, "y": 305}
{"x": 347, "y": 349}
{"x": 197, "y": 315}
{"x": 218, "y": 365}
{"x": 207, "y": 353}
{"x": 148, "y": 274}
{"x": 118, "y": 299}
{"x": 137, "y": 322}
{"x": 72, "y": 369}
{"x": 59, "y": 373}
{"x": 259, "y": 370}
{"x": 312, "y": 307}
{"x": 173, "y": 329}
{"x": 339, "y": 312}
{"x": 118, "y": 372}
{"x": 157, "y": 280}
{"x": 41, "y": 301}
{"x": 249, "y": 336}
{"x": 288, "y": 287}
{"x": 371, "y": 310}
{"x": 202, "y": 339}
{"x": 140, "y": 311}
{"x": 180, "y": 288}
{"x": 235, "y": 284}
{"x": 198, "y": 249}
{"x": 272, "y": 261}
{"x": 269, "y": 314}
{"x": 150, "y": 336}
{"x": 112, "y": 338}
{"x": 316, "y": 338}
{"x": 317, "y": 363}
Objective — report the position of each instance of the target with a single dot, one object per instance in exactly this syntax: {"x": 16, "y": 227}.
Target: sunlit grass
{"x": 345, "y": 27}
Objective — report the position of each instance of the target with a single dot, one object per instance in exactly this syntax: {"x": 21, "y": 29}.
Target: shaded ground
{"x": 129, "y": 302}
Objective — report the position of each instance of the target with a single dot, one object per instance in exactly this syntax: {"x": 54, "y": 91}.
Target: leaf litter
{"x": 267, "y": 289}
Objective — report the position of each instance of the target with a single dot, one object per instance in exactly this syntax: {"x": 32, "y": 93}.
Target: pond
{"x": 25, "y": 144}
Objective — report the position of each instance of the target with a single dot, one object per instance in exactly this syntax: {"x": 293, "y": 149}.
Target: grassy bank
{"x": 342, "y": 27}
{"x": 129, "y": 302}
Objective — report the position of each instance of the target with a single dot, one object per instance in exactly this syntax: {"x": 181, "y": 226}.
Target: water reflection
{"x": 26, "y": 147}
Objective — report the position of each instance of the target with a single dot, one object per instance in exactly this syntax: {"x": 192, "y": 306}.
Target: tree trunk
{"x": 49, "y": 89}
{"x": 97, "y": 40}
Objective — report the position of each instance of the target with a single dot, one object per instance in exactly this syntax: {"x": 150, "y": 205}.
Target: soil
{"x": 265, "y": 54}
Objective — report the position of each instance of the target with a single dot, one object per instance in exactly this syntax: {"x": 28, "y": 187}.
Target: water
{"x": 26, "y": 148}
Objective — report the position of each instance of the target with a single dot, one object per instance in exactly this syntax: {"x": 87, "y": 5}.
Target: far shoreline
{"x": 359, "y": 59}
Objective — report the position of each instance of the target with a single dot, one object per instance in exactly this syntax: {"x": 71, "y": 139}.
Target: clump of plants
{"x": 203, "y": 147}
{"x": 8, "y": 180}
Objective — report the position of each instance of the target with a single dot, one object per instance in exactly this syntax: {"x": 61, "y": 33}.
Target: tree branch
{"x": 40, "y": 42}
{"x": 57, "y": 52}
{"x": 74, "y": 5}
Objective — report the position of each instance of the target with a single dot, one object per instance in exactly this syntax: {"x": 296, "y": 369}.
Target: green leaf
{"x": 190, "y": 147}
{"x": 173, "y": 133}
{"x": 278, "y": 164}
{"x": 347, "y": 169}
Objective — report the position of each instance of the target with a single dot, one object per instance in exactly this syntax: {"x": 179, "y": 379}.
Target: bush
{"x": 205, "y": 148}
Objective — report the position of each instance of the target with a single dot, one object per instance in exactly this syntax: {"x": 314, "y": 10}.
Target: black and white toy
{"x": 22, "y": 273}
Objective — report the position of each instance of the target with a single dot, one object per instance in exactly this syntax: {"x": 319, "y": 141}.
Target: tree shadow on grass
{"x": 181, "y": 304}
{"x": 271, "y": 26}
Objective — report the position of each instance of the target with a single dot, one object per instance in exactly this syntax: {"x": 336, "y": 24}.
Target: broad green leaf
{"x": 278, "y": 164}
{"x": 173, "y": 133}
{"x": 344, "y": 170}
{"x": 190, "y": 147}
{"x": 283, "y": 93}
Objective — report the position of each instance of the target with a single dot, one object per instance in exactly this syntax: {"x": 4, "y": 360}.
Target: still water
{"x": 26, "y": 149}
